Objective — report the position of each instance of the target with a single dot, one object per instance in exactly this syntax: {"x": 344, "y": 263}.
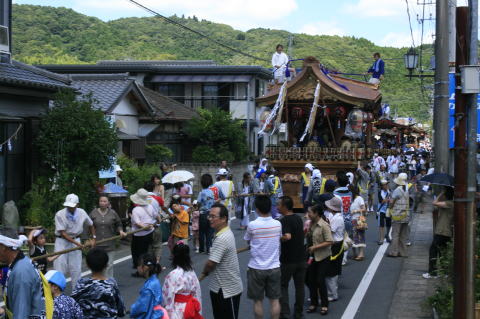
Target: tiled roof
{"x": 20, "y": 74}
{"x": 106, "y": 89}
{"x": 167, "y": 108}
{"x": 156, "y": 62}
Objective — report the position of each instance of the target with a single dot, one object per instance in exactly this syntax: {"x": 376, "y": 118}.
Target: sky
{"x": 384, "y": 22}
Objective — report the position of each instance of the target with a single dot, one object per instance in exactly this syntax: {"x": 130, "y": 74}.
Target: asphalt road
{"x": 375, "y": 304}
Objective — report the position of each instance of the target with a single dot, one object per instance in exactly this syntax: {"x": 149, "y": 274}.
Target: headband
{"x": 13, "y": 243}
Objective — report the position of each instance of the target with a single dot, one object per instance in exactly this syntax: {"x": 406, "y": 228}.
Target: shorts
{"x": 383, "y": 220}
{"x": 264, "y": 283}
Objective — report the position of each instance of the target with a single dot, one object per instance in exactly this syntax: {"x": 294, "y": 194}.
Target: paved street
{"x": 375, "y": 304}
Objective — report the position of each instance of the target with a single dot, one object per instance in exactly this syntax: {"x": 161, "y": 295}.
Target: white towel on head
{"x": 13, "y": 243}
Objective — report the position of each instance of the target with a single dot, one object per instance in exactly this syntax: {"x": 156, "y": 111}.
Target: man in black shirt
{"x": 292, "y": 257}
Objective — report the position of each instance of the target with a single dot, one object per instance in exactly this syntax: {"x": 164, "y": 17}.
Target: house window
{"x": 174, "y": 90}
{"x": 210, "y": 95}
{"x": 240, "y": 91}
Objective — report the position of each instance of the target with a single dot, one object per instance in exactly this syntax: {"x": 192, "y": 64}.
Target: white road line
{"x": 362, "y": 288}
{"x": 88, "y": 272}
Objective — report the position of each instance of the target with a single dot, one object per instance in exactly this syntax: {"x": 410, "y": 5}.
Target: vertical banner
{"x": 451, "y": 106}
{"x": 313, "y": 113}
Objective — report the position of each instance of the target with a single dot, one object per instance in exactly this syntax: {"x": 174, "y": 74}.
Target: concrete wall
{"x": 199, "y": 169}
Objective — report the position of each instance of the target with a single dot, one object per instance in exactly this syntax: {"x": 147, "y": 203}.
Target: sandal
{"x": 311, "y": 309}
{"x": 324, "y": 311}
{"x": 358, "y": 258}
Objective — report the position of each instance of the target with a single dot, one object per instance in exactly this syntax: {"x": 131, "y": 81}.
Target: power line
{"x": 203, "y": 35}
{"x": 410, "y": 23}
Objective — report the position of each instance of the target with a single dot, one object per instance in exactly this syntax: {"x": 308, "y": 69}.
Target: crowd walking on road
{"x": 310, "y": 245}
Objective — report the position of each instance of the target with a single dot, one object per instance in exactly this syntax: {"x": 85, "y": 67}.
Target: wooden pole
{"x": 66, "y": 251}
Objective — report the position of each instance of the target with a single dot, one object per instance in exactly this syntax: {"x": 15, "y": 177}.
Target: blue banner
{"x": 451, "y": 105}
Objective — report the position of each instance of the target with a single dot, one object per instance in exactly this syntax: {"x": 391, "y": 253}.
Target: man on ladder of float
{"x": 317, "y": 186}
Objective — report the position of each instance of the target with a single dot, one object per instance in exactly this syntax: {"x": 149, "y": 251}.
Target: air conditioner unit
{"x": 4, "y": 41}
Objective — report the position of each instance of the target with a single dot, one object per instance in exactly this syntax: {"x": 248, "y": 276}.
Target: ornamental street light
{"x": 411, "y": 61}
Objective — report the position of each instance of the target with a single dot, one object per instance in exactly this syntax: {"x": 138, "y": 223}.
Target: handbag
{"x": 401, "y": 214}
{"x": 347, "y": 241}
{"x": 361, "y": 223}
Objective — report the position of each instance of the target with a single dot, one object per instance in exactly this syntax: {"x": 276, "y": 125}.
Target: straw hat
{"x": 140, "y": 197}
{"x": 334, "y": 204}
{"x": 401, "y": 179}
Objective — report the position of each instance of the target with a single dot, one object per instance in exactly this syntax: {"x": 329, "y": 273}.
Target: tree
{"x": 75, "y": 142}
{"x": 158, "y": 153}
{"x": 217, "y": 136}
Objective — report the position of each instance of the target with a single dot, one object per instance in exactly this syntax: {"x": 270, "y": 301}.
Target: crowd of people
{"x": 283, "y": 245}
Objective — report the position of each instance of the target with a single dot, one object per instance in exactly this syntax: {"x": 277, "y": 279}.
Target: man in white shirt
{"x": 279, "y": 63}
{"x": 69, "y": 223}
{"x": 264, "y": 275}
{"x": 377, "y": 162}
{"x": 227, "y": 188}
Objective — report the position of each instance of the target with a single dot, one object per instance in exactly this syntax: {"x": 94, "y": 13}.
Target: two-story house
{"x": 195, "y": 84}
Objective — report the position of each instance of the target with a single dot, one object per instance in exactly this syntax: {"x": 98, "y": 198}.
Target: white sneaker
{"x": 409, "y": 244}
{"x": 428, "y": 276}
{"x": 197, "y": 250}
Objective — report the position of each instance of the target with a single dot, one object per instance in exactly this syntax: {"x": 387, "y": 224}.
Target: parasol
{"x": 438, "y": 179}
{"x": 177, "y": 177}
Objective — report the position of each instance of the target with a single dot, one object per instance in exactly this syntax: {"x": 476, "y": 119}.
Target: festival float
{"x": 326, "y": 119}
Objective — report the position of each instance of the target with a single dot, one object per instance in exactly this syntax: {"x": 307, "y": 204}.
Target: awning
{"x": 124, "y": 136}
{"x": 146, "y": 129}
{"x": 200, "y": 78}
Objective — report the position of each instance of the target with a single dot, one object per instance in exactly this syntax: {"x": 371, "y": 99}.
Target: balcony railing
{"x": 222, "y": 102}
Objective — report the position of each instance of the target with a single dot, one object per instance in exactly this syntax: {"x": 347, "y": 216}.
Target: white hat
{"x": 118, "y": 168}
{"x": 430, "y": 170}
{"x": 71, "y": 200}
{"x": 140, "y": 197}
{"x": 222, "y": 172}
{"x": 309, "y": 166}
{"x": 383, "y": 181}
{"x": 38, "y": 232}
{"x": 350, "y": 177}
{"x": 401, "y": 179}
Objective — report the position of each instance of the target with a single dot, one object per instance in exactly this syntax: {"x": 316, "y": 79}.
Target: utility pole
{"x": 290, "y": 47}
{"x": 441, "y": 110}
{"x": 470, "y": 215}
{"x": 465, "y": 183}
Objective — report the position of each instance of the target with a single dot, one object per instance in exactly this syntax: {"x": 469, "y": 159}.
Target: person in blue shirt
{"x": 148, "y": 304}
{"x": 377, "y": 69}
{"x": 23, "y": 288}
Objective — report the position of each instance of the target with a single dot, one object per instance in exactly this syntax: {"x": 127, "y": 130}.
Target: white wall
{"x": 125, "y": 108}
{"x": 128, "y": 113}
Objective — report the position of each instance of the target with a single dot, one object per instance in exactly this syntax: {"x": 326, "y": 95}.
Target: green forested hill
{"x": 58, "y": 35}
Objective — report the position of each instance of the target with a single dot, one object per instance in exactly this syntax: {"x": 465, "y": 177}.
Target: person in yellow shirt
{"x": 305, "y": 178}
{"x": 180, "y": 220}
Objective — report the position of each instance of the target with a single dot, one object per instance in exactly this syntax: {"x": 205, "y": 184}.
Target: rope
{"x": 12, "y": 136}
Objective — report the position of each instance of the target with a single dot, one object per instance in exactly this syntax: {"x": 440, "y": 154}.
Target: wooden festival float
{"x": 327, "y": 119}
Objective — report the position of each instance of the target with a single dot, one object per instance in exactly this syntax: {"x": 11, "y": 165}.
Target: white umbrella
{"x": 177, "y": 176}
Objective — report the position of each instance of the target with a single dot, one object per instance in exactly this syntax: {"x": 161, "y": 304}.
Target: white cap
{"x": 222, "y": 172}
{"x": 71, "y": 201}
{"x": 309, "y": 166}
{"x": 118, "y": 168}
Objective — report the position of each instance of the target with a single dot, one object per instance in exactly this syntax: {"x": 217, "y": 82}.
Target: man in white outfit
{"x": 279, "y": 63}
{"x": 69, "y": 224}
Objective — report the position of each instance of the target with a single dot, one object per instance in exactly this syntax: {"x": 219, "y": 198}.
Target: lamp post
{"x": 411, "y": 61}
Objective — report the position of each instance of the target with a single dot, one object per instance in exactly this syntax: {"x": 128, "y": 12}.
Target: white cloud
{"x": 383, "y": 8}
{"x": 322, "y": 28}
{"x": 403, "y": 39}
{"x": 242, "y": 14}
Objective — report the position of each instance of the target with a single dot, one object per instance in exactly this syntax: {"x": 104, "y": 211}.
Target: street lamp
{"x": 411, "y": 61}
